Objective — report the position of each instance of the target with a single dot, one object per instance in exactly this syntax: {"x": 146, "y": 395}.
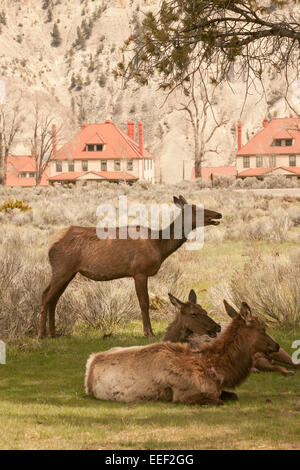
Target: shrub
{"x": 269, "y": 284}
{"x": 11, "y": 204}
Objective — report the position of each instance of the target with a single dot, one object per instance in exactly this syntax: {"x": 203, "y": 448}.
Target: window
{"x": 246, "y": 162}
{"x": 117, "y": 165}
{"x": 94, "y": 147}
{"x": 259, "y": 162}
{"x": 292, "y": 160}
{"x": 129, "y": 165}
{"x": 31, "y": 175}
{"x": 84, "y": 165}
{"x": 58, "y": 167}
{"x": 23, "y": 175}
{"x": 272, "y": 161}
{"x": 71, "y": 166}
{"x": 103, "y": 165}
{"x": 283, "y": 142}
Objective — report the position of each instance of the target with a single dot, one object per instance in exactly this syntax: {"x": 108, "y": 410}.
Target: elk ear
{"x": 182, "y": 199}
{"x": 245, "y": 312}
{"x": 230, "y": 310}
{"x": 192, "y": 297}
{"x": 176, "y": 302}
{"x": 178, "y": 202}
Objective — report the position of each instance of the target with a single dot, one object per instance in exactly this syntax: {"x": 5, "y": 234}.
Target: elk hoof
{"x": 149, "y": 334}
{"x": 289, "y": 373}
{"x": 228, "y": 396}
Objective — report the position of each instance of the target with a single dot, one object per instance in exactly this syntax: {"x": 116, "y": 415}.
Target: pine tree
{"x": 3, "y": 17}
{"x": 49, "y": 15}
{"x": 45, "y": 4}
{"x": 80, "y": 41}
{"x": 56, "y": 38}
{"x": 73, "y": 81}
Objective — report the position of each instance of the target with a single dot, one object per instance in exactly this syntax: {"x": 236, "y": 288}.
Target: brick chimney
{"x": 239, "y": 135}
{"x": 266, "y": 122}
{"x": 131, "y": 130}
{"x": 141, "y": 148}
{"x": 54, "y": 142}
{"x": 141, "y": 144}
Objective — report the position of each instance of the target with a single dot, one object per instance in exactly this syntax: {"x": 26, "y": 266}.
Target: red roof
{"x": 264, "y": 171}
{"x": 22, "y": 164}
{"x": 206, "y": 172}
{"x": 117, "y": 144}
{"x": 279, "y": 128}
{"x": 109, "y": 175}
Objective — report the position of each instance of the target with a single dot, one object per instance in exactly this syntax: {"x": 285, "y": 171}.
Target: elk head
{"x": 255, "y": 330}
{"x": 200, "y": 216}
{"x": 194, "y": 318}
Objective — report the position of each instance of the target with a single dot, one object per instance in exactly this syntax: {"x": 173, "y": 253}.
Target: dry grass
{"x": 269, "y": 283}
{"x": 25, "y": 271}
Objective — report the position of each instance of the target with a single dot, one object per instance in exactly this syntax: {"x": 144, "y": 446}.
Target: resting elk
{"x": 180, "y": 331}
{"x": 175, "y": 372}
{"x": 79, "y": 250}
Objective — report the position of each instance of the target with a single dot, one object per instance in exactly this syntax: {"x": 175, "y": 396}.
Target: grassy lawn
{"x": 43, "y": 406}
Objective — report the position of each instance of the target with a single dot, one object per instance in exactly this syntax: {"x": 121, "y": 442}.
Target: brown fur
{"x": 197, "y": 339}
{"x": 190, "y": 318}
{"x": 174, "y": 372}
{"x": 79, "y": 250}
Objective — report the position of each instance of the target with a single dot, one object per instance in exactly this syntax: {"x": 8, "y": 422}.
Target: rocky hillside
{"x": 70, "y": 72}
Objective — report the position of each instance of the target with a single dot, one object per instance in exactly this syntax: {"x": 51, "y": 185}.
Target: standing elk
{"x": 180, "y": 331}
{"x": 175, "y": 372}
{"x": 79, "y": 250}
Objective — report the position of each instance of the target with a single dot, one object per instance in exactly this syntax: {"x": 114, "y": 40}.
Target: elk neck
{"x": 231, "y": 355}
{"x": 170, "y": 240}
{"x": 176, "y": 331}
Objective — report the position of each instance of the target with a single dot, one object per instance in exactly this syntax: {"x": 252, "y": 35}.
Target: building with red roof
{"x": 21, "y": 171}
{"x": 208, "y": 172}
{"x": 102, "y": 152}
{"x": 274, "y": 150}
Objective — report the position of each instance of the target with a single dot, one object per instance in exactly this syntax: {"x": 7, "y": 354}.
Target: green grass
{"x": 43, "y": 406}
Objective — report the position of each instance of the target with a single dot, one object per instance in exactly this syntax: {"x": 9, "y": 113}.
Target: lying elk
{"x": 185, "y": 328}
{"x": 79, "y": 250}
{"x": 175, "y": 372}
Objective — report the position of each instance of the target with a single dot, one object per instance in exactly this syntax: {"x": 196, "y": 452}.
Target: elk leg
{"x": 283, "y": 356}
{"x": 262, "y": 363}
{"x": 141, "y": 288}
{"x": 43, "y": 318}
{"x": 49, "y": 300}
{"x": 197, "y": 399}
{"x": 52, "y": 306}
{"x": 228, "y": 396}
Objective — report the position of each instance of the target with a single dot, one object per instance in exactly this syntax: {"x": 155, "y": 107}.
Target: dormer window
{"x": 283, "y": 142}
{"x": 94, "y": 148}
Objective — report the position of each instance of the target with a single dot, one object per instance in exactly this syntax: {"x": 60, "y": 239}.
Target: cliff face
{"x": 77, "y": 83}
